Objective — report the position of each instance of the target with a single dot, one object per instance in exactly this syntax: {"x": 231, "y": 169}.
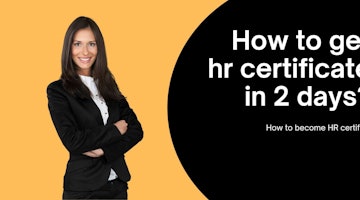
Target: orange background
{"x": 143, "y": 41}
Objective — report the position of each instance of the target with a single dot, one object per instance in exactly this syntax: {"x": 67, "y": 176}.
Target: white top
{"x": 101, "y": 104}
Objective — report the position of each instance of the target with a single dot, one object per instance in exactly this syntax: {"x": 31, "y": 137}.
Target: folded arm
{"x": 129, "y": 138}
{"x": 75, "y": 138}
{"x": 121, "y": 125}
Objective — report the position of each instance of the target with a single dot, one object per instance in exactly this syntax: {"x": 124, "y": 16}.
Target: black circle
{"x": 227, "y": 147}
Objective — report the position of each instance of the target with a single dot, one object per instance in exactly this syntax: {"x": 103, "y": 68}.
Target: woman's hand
{"x": 121, "y": 125}
{"x": 94, "y": 153}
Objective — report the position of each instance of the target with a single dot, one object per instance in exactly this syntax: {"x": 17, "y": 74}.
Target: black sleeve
{"x": 75, "y": 140}
{"x": 132, "y": 136}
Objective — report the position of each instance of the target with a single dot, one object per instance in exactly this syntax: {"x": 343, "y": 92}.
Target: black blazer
{"x": 80, "y": 127}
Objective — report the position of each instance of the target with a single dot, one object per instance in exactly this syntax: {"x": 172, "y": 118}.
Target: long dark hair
{"x": 106, "y": 83}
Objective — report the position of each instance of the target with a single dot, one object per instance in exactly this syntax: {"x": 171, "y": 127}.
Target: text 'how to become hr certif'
{"x": 312, "y": 128}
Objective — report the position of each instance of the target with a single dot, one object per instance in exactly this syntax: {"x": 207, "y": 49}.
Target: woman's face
{"x": 84, "y": 51}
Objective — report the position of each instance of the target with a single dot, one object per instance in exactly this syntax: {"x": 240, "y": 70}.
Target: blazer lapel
{"x": 93, "y": 110}
{"x": 112, "y": 112}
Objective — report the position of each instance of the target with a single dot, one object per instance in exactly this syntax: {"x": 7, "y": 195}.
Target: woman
{"x": 92, "y": 117}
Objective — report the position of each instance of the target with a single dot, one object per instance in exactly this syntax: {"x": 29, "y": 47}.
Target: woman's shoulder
{"x": 57, "y": 84}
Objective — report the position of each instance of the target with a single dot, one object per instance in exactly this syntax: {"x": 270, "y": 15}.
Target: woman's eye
{"x": 77, "y": 44}
{"x": 92, "y": 44}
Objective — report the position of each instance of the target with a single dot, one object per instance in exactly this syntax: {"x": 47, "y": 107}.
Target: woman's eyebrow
{"x": 82, "y": 41}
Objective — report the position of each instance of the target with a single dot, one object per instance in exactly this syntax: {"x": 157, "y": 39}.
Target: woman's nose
{"x": 85, "y": 50}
